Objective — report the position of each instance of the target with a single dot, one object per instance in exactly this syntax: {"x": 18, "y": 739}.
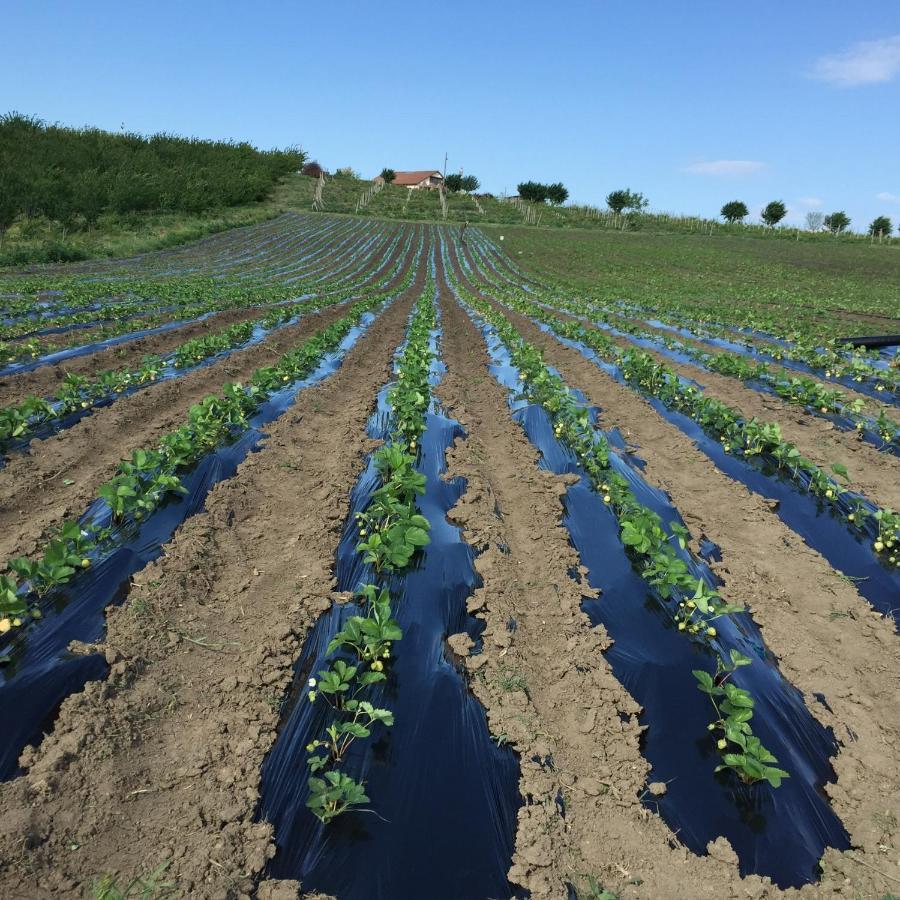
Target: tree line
{"x": 836, "y": 222}
{"x": 75, "y": 175}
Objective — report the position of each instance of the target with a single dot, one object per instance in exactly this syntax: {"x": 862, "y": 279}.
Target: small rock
{"x": 586, "y": 725}
{"x": 461, "y": 644}
{"x": 657, "y": 788}
{"x": 230, "y": 813}
{"x": 722, "y": 851}
{"x": 278, "y": 890}
{"x": 591, "y": 786}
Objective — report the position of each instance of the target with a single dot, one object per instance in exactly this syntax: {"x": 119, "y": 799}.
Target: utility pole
{"x": 445, "y": 166}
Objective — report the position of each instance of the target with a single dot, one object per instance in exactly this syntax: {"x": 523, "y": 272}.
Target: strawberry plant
{"x": 334, "y": 794}
{"x": 369, "y": 637}
{"x": 391, "y": 530}
{"x": 741, "y": 750}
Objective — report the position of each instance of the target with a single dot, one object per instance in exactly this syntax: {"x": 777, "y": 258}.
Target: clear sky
{"x": 693, "y": 103}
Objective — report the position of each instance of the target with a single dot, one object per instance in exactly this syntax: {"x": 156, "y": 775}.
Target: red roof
{"x": 408, "y": 178}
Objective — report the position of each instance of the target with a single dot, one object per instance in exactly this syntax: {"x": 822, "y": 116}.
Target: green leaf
{"x": 416, "y": 536}
{"x": 706, "y": 681}
{"x": 775, "y": 776}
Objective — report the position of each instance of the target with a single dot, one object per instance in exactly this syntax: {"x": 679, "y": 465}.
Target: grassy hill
{"x": 347, "y": 195}
{"x": 71, "y": 193}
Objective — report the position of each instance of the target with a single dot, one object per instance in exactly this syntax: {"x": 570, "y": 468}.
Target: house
{"x": 415, "y": 180}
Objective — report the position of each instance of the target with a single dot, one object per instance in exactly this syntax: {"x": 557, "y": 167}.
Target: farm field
{"x": 342, "y": 557}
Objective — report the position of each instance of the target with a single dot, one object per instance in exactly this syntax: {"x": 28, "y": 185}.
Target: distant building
{"x": 416, "y": 180}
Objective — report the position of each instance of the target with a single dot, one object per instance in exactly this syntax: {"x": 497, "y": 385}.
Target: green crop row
{"x": 391, "y": 530}
{"x": 80, "y": 392}
{"x": 143, "y": 482}
{"x": 191, "y": 297}
{"x": 797, "y": 389}
{"x": 694, "y": 605}
{"x": 739, "y": 436}
{"x": 832, "y": 359}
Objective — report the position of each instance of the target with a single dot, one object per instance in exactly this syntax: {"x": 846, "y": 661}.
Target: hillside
{"x": 345, "y": 194}
{"x": 73, "y": 193}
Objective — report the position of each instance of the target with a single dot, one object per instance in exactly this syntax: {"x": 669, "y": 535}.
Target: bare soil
{"x": 160, "y": 763}
{"x": 873, "y": 472}
{"x": 802, "y": 607}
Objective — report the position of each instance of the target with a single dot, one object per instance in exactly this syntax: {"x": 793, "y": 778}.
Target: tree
{"x": 773, "y": 213}
{"x": 626, "y": 199}
{"x": 312, "y": 169}
{"x": 470, "y": 183}
{"x": 881, "y": 227}
{"x": 814, "y": 221}
{"x": 453, "y": 182}
{"x": 557, "y": 194}
{"x": 837, "y": 222}
{"x": 388, "y": 175}
{"x": 532, "y": 190}
{"x": 734, "y": 211}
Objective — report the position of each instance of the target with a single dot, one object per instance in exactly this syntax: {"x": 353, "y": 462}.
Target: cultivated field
{"x": 346, "y": 558}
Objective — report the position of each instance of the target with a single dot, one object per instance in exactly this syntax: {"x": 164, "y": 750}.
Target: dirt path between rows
{"x": 802, "y": 607}
{"x": 34, "y": 495}
{"x": 161, "y": 762}
{"x": 876, "y": 474}
{"x": 44, "y": 381}
{"x": 566, "y": 704}
{"x": 873, "y": 404}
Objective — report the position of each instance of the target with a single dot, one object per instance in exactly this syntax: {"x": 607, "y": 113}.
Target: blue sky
{"x": 691, "y": 103}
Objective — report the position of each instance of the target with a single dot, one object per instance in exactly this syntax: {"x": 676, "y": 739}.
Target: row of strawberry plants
{"x": 695, "y": 606}
{"x": 79, "y": 392}
{"x": 738, "y": 435}
{"x": 74, "y": 291}
{"x": 796, "y": 389}
{"x": 829, "y": 358}
{"x": 799, "y": 345}
{"x": 130, "y": 278}
{"x": 391, "y": 530}
{"x": 31, "y": 324}
{"x": 142, "y": 483}
{"x": 33, "y": 348}
{"x": 196, "y": 297}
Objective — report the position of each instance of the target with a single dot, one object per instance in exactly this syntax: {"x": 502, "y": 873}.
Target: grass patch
{"x": 40, "y": 241}
{"x": 146, "y": 887}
